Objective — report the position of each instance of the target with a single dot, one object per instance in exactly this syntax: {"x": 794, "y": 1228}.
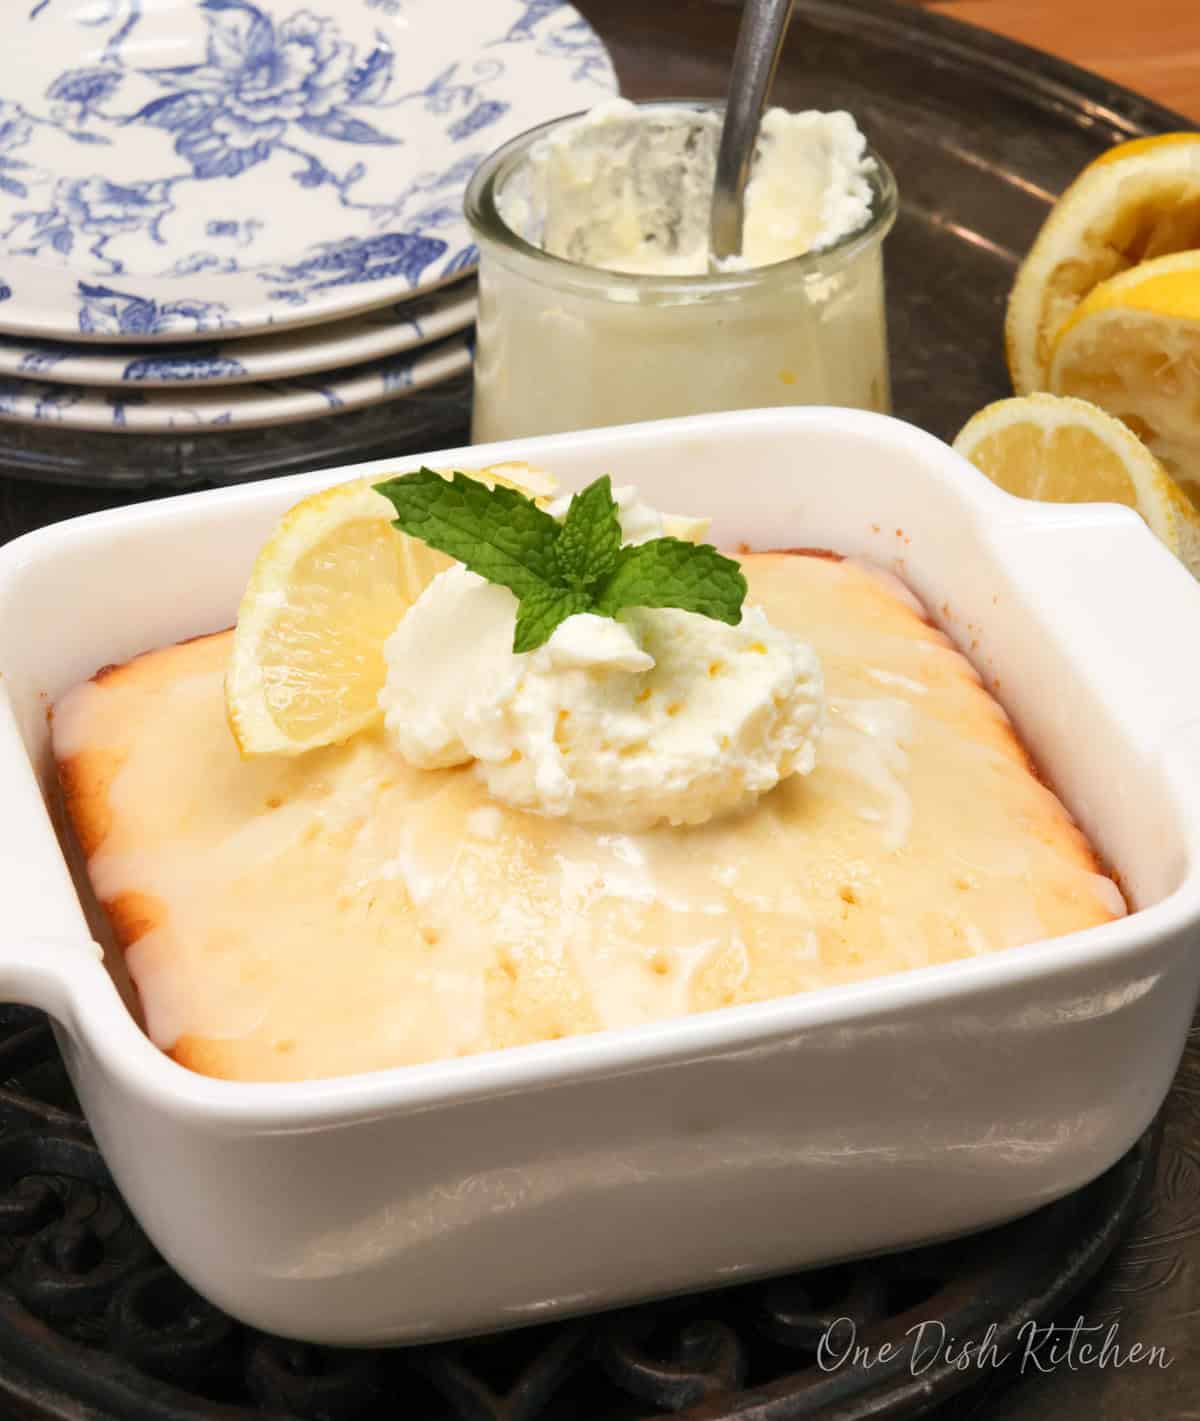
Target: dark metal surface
{"x": 90, "y": 1316}
{"x": 981, "y": 134}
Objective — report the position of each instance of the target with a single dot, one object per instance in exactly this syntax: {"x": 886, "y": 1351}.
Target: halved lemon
{"x": 1138, "y": 201}
{"x": 1062, "y": 450}
{"x": 1133, "y": 348}
{"x": 327, "y": 589}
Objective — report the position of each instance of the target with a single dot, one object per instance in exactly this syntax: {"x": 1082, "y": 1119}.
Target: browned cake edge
{"x": 86, "y": 780}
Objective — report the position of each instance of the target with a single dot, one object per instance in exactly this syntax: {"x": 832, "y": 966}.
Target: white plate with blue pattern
{"x": 129, "y": 411}
{"x": 281, "y": 355}
{"x": 175, "y": 168}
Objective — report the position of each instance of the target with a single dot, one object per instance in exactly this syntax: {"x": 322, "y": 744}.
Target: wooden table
{"x": 1152, "y": 46}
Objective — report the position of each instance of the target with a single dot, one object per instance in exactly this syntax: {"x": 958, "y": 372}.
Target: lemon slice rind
{"x": 327, "y": 588}
{"x": 1056, "y": 449}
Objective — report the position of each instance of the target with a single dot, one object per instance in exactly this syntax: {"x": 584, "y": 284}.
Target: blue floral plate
{"x": 204, "y": 166}
{"x": 192, "y": 411}
{"x": 278, "y": 355}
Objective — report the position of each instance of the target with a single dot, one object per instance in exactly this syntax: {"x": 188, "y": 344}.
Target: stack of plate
{"x": 219, "y": 214}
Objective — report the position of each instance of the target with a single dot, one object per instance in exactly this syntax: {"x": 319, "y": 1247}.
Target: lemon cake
{"x": 343, "y": 911}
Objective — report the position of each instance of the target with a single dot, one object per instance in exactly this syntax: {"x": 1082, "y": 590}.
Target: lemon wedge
{"x": 1138, "y": 201}
{"x": 327, "y": 589}
{"x": 1133, "y": 347}
{"x": 1061, "y": 450}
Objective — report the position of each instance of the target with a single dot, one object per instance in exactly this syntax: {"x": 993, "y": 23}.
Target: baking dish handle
{"x": 46, "y": 954}
{"x": 43, "y": 972}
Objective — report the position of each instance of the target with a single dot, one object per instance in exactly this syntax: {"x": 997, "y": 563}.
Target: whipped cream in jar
{"x": 597, "y": 304}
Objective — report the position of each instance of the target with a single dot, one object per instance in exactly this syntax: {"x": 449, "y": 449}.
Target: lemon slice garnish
{"x": 1138, "y": 201}
{"x": 327, "y": 589}
{"x": 1062, "y": 450}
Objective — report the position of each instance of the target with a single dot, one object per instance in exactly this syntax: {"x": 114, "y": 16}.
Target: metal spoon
{"x": 759, "y": 42}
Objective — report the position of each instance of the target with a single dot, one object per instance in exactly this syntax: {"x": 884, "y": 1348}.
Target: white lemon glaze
{"x": 346, "y": 911}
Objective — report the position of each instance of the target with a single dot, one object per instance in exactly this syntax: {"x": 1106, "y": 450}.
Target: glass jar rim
{"x": 483, "y": 214}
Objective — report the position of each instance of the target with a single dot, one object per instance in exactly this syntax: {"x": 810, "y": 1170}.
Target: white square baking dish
{"x": 509, "y": 1188}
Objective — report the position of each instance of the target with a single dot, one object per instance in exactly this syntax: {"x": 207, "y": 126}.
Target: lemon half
{"x": 1139, "y": 201}
{"x": 1133, "y": 347}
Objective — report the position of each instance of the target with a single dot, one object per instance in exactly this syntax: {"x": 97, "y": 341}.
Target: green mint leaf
{"x": 498, "y": 533}
{"x": 590, "y": 539}
{"x": 540, "y": 612}
{"x": 556, "y": 571}
{"x": 667, "y": 572}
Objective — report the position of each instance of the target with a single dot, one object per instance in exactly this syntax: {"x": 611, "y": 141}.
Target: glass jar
{"x": 564, "y": 346}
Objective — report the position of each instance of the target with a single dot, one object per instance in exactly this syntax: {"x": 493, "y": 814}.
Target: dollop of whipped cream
{"x": 660, "y": 716}
{"x": 630, "y": 189}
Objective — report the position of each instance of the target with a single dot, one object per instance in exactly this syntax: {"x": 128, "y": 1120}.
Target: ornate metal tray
{"x": 94, "y": 1327}
{"x": 89, "y": 1314}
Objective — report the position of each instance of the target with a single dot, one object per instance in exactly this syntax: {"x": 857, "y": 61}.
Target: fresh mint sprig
{"x": 558, "y": 569}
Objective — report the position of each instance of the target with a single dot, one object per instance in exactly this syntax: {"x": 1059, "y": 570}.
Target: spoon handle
{"x": 759, "y": 42}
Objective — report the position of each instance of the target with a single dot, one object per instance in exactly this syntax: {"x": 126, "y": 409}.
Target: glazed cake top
{"x": 344, "y": 912}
